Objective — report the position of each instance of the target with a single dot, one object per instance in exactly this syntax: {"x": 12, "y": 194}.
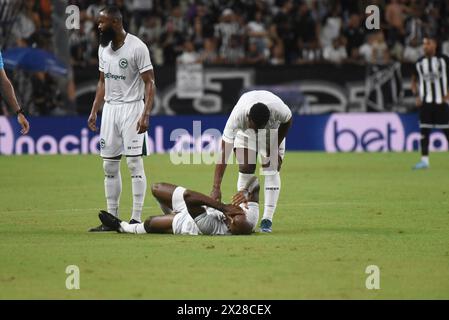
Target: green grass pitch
{"x": 338, "y": 214}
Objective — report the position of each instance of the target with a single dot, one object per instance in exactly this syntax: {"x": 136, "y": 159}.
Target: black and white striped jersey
{"x": 432, "y": 74}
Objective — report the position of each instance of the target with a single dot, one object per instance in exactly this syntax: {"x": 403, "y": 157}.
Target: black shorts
{"x": 432, "y": 115}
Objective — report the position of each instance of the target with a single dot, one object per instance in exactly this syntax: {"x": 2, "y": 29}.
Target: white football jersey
{"x": 238, "y": 120}
{"x": 122, "y": 69}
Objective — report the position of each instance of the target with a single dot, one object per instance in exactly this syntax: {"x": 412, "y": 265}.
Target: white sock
{"x": 425, "y": 159}
{"x": 272, "y": 191}
{"x": 243, "y": 180}
{"x": 112, "y": 185}
{"x": 139, "y": 185}
{"x": 132, "y": 228}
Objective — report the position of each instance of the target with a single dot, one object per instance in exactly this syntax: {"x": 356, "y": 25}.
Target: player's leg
{"x": 163, "y": 193}
{"x": 426, "y": 125}
{"x": 158, "y": 224}
{"x": 112, "y": 184}
{"x": 245, "y": 146}
{"x": 139, "y": 185}
{"x": 135, "y": 146}
{"x": 272, "y": 187}
{"x": 111, "y": 150}
{"x": 246, "y": 159}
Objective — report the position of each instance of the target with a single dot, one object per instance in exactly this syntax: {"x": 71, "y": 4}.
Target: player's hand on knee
{"x": 239, "y": 198}
{"x": 92, "y": 122}
{"x": 216, "y": 194}
{"x": 143, "y": 124}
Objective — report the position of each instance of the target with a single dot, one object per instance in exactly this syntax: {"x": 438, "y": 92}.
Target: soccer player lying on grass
{"x": 192, "y": 213}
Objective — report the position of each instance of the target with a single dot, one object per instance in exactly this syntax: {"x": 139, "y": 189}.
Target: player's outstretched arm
{"x": 9, "y": 95}
{"x": 150, "y": 90}
{"x": 220, "y": 168}
{"x": 98, "y": 102}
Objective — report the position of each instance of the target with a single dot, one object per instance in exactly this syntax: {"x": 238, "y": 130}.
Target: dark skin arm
{"x": 196, "y": 200}
{"x": 10, "y": 98}
{"x": 282, "y": 133}
{"x": 98, "y": 102}
{"x": 220, "y": 168}
{"x": 150, "y": 90}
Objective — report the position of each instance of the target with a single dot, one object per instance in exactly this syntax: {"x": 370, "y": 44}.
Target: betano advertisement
{"x": 369, "y": 132}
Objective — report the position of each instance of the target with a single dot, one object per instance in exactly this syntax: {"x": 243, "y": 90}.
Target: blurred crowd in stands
{"x": 275, "y": 32}
{"x": 251, "y": 32}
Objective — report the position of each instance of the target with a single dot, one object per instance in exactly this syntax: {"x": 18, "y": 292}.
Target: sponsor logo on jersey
{"x": 114, "y": 76}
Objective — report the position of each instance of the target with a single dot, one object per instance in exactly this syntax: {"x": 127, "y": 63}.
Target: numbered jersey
{"x": 122, "y": 69}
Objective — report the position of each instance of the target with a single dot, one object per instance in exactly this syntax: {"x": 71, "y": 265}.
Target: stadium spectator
{"x": 278, "y": 54}
{"x": 209, "y": 52}
{"x": 375, "y": 51}
{"x": 171, "y": 43}
{"x": 355, "y": 36}
{"x": 336, "y": 53}
{"x": 254, "y": 56}
{"x": 258, "y": 34}
{"x": 188, "y": 56}
{"x": 331, "y": 27}
{"x": 150, "y": 32}
{"x": 283, "y": 28}
{"x": 415, "y": 26}
{"x": 395, "y": 14}
{"x": 225, "y": 30}
{"x": 235, "y": 54}
{"x": 413, "y": 51}
{"x": 308, "y": 53}
{"x": 26, "y": 25}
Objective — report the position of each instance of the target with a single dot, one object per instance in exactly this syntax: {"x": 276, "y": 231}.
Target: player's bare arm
{"x": 220, "y": 168}
{"x": 11, "y": 100}
{"x": 282, "y": 134}
{"x": 195, "y": 200}
{"x": 98, "y": 102}
{"x": 150, "y": 89}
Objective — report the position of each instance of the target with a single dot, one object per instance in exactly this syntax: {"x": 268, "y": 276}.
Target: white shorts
{"x": 258, "y": 143}
{"x": 183, "y": 223}
{"x": 118, "y": 133}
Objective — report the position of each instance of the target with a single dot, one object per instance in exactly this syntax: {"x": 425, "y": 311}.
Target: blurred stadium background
{"x": 349, "y": 89}
{"x": 316, "y": 54}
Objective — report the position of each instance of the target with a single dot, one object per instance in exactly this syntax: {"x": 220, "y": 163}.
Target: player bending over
{"x": 258, "y": 124}
{"x": 192, "y": 213}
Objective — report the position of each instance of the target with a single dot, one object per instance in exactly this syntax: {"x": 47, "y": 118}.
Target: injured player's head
{"x": 240, "y": 226}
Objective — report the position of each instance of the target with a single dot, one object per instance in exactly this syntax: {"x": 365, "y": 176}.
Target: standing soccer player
{"x": 126, "y": 79}
{"x": 258, "y": 124}
{"x": 430, "y": 85}
{"x": 8, "y": 94}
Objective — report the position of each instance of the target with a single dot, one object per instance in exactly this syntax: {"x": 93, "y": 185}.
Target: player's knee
{"x": 155, "y": 188}
{"x": 111, "y": 167}
{"x": 188, "y": 195}
{"x": 134, "y": 164}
